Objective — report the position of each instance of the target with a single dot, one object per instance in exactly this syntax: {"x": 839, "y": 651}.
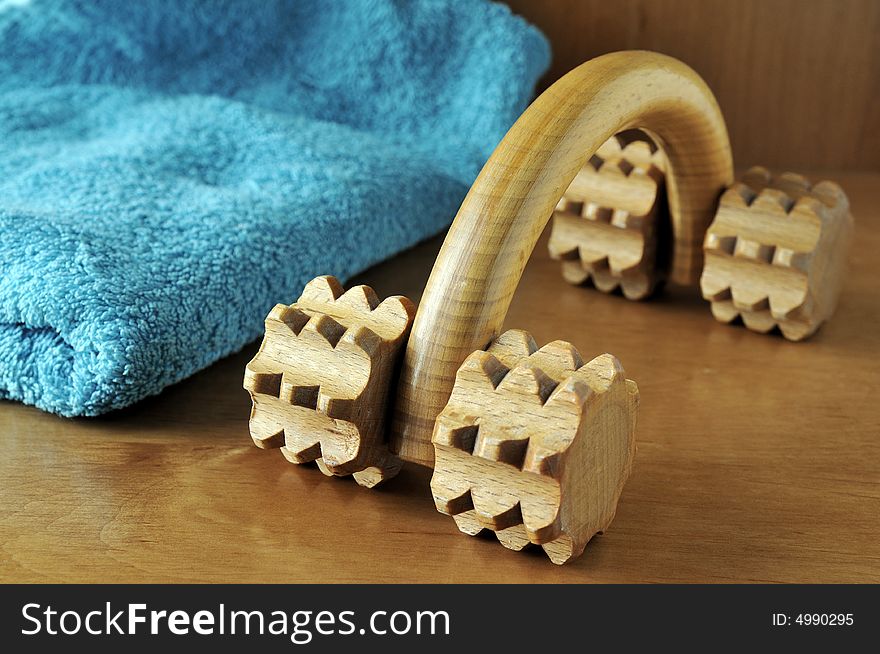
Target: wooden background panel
{"x": 798, "y": 80}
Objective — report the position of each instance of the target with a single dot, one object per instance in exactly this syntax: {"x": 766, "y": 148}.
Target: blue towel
{"x": 171, "y": 169}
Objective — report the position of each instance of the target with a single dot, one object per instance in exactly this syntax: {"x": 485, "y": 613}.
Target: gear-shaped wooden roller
{"x": 611, "y": 224}
{"x": 320, "y": 381}
{"x": 535, "y": 445}
{"x": 776, "y": 251}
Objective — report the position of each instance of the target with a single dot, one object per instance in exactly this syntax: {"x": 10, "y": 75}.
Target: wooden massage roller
{"x": 535, "y": 443}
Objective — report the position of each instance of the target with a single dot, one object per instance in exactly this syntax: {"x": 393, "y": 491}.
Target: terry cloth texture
{"x": 169, "y": 170}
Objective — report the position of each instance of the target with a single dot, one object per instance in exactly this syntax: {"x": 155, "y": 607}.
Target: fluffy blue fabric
{"x": 169, "y": 170}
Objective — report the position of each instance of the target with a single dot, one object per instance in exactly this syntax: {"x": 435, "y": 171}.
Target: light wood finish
{"x": 320, "y": 381}
{"x": 504, "y": 213}
{"x": 758, "y": 460}
{"x": 798, "y": 80}
{"x": 610, "y": 225}
{"x": 535, "y": 445}
{"x": 776, "y": 253}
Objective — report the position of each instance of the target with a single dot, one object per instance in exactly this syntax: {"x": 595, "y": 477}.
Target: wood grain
{"x": 798, "y": 80}
{"x": 776, "y": 253}
{"x": 512, "y": 199}
{"x": 758, "y": 460}
{"x": 535, "y": 445}
{"x": 321, "y": 378}
{"x": 609, "y": 227}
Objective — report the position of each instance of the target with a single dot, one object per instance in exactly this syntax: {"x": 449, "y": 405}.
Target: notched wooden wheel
{"x": 611, "y": 226}
{"x": 320, "y": 381}
{"x": 535, "y": 445}
{"x": 776, "y": 251}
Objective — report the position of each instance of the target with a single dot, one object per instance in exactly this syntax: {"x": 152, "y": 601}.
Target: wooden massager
{"x": 630, "y": 153}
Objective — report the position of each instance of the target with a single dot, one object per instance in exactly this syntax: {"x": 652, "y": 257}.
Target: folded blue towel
{"x": 169, "y": 170}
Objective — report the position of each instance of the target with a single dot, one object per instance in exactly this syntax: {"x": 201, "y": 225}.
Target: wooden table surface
{"x": 759, "y": 460}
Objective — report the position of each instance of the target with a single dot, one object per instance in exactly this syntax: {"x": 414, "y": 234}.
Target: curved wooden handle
{"x": 499, "y": 222}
